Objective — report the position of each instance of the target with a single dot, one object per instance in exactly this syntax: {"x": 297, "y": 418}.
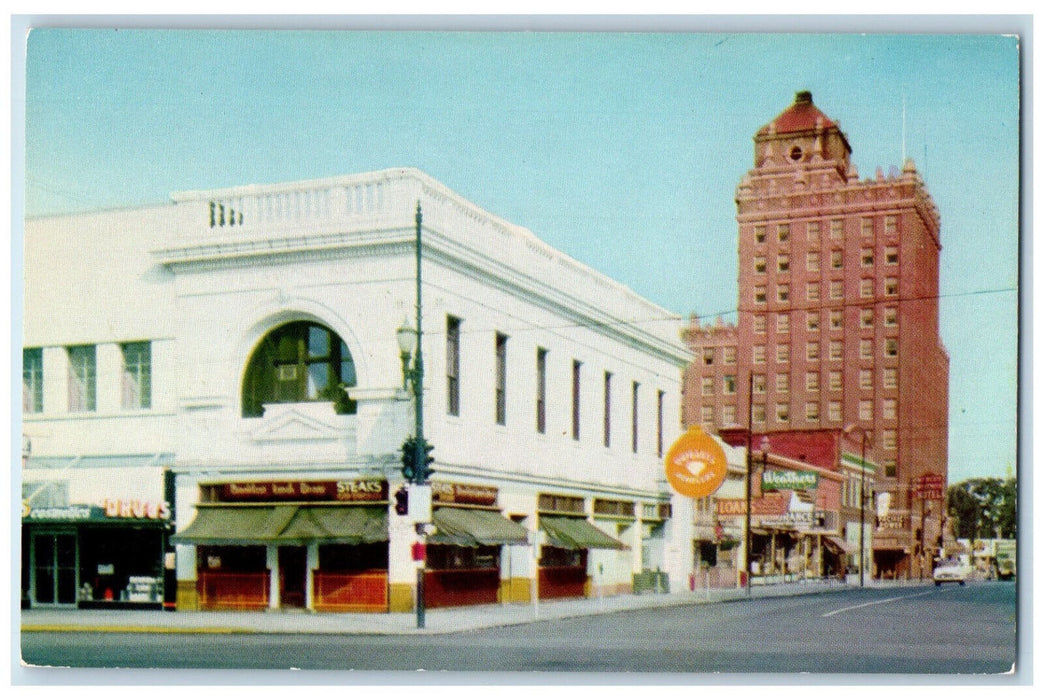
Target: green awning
{"x": 245, "y": 525}
{"x": 467, "y": 527}
{"x": 576, "y": 533}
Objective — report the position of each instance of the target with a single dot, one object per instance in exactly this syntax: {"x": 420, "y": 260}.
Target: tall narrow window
{"x": 453, "y": 366}
{"x": 576, "y": 399}
{"x": 541, "y": 390}
{"x": 137, "y": 375}
{"x": 501, "y": 380}
{"x": 32, "y": 380}
{"x": 634, "y": 417}
{"x": 82, "y": 378}
{"x": 659, "y": 423}
{"x": 607, "y": 411}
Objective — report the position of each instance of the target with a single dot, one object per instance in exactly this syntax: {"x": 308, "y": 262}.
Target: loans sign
{"x": 783, "y": 480}
{"x": 695, "y": 464}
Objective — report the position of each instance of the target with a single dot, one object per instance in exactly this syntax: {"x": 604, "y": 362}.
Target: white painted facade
{"x": 340, "y": 252}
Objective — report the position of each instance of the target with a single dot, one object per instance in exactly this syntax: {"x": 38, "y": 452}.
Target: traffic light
{"x": 425, "y": 468}
{"x": 409, "y": 458}
{"x": 402, "y": 501}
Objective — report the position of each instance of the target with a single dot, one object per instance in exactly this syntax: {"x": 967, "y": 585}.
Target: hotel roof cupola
{"x": 799, "y": 137}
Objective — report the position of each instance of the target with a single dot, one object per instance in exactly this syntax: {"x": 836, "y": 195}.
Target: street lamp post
{"x": 409, "y": 340}
{"x": 862, "y": 499}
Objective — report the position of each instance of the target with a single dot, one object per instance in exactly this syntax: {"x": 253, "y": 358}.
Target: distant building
{"x": 838, "y": 326}
{"x": 214, "y": 406}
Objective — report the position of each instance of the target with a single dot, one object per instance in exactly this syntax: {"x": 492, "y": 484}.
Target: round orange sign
{"x": 695, "y": 464}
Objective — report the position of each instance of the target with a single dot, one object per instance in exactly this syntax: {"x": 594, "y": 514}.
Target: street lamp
{"x": 862, "y": 497}
{"x": 409, "y": 341}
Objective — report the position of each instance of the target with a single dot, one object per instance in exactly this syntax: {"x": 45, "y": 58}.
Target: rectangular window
{"x": 707, "y": 415}
{"x": 707, "y": 386}
{"x": 891, "y": 468}
{"x": 889, "y": 377}
{"x": 866, "y": 226}
{"x": 607, "y": 409}
{"x": 783, "y": 292}
{"x": 891, "y": 347}
{"x": 783, "y": 232}
{"x": 541, "y": 391}
{"x": 835, "y": 381}
{"x": 812, "y": 261}
{"x": 837, "y": 350}
{"x": 32, "y": 380}
{"x": 659, "y": 423}
{"x": 889, "y": 409}
{"x": 812, "y": 412}
{"x": 760, "y": 265}
{"x": 728, "y": 383}
{"x": 758, "y": 354}
{"x": 708, "y": 356}
{"x": 891, "y": 317}
{"x": 866, "y": 379}
{"x": 634, "y": 417}
{"x": 837, "y": 228}
{"x": 837, "y": 319}
{"x": 891, "y": 286}
{"x": 783, "y": 323}
{"x": 82, "y": 378}
{"x": 866, "y": 288}
{"x": 782, "y": 354}
{"x": 866, "y": 409}
{"x": 866, "y": 349}
{"x": 759, "y": 233}
{"x": 837, "y": 289}
{"x": 501, "y": 379}
{"x": 758, "y": 411}
{"x": 812, "y": 320}
{"x": 760, "y": 294}
{"x": 812, "y": 382}
{"x": 728, "y": 414}
{"x": 866, "y": 318}
{"x": 866, "y": 257}
{"x": 834, "y": 412}
{"x": 452, "y": 366}
{"x": 782, "y": 412}
{"x": 730, "y": 354}
{"x": 888, "y": 439}
{"x": 137, "y": 375}
{"x": 759, "y": 324}
{"x": 576, "y": 399}
{"x": 891, "y": 224}
{"x": 782, "y": 383}
{"x": 812, "y": 351}
{"x": 758, "y": 381}
{"x": 812, "y": 231}
{"x": 891, "y": 255}
{"x": 783, "y": 262}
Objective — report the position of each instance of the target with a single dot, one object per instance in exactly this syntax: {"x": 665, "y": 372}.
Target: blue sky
{"x": 621, "y": 149}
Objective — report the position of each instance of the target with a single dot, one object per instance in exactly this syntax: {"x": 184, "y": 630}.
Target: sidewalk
{"x": 437, "y": 621}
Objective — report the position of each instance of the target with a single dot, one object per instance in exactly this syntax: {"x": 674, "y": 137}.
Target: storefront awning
{"x": 576, "y": 533}
{"x": 468, "y": 527}
{"x": 837, "y": 544}
{"x": 239, "y": 525}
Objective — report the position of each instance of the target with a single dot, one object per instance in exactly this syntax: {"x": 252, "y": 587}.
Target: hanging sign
{"x": 695, "y": 464}
{"x": 779, "y": 479}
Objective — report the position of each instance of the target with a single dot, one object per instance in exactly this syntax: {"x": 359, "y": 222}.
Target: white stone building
{"x": 230, "y": 360}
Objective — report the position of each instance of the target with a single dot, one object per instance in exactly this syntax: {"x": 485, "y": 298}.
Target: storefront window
{"x": 349, "y": 558}
{"x": 449, "y": 557}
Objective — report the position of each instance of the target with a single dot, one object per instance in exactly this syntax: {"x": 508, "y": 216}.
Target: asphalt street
{"x": 914, "y": 630}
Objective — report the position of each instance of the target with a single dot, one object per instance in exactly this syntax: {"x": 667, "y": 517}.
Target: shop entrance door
{"x": 292, "y": 568}
{"x": 54, "y": 569}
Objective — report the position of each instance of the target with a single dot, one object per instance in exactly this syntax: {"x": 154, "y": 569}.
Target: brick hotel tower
{"x": 838, "y": 322}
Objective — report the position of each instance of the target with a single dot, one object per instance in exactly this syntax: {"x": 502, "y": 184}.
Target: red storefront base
{"x": 359, "y": 592}
{"x": 233, "y": 591}
{"x": 562, "y": 582}
{"x": 447, "y": 588}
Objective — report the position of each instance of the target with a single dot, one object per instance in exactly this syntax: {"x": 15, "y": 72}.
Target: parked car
{"x": 951, "y": 571}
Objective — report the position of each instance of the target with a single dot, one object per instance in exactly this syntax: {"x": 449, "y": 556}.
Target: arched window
{"x": 299, "y": 362}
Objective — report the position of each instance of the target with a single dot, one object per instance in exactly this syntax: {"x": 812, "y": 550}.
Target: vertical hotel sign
{"x": 695, "y": 464}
